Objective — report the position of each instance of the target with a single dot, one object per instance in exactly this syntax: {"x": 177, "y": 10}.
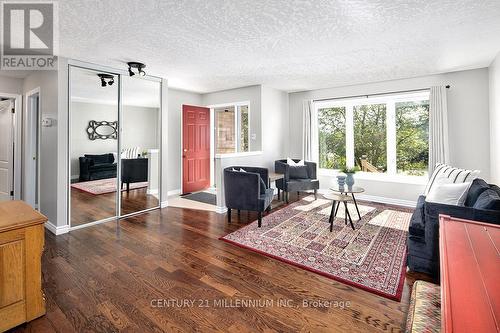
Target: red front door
{"x": 195, "y": 148}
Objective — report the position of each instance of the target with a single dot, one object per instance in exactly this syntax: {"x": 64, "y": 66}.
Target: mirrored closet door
{"x": 114, "y": 142}
{"x": 93, "y": 143}
{"x": 140, "y": 145}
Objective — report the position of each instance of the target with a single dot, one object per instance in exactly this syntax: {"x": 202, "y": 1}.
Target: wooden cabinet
{"x": 21, "y": 246}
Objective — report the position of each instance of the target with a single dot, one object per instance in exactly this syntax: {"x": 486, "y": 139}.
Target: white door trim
{"x": 29, "y": 150}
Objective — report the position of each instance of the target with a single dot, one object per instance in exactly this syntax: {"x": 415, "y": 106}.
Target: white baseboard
{"x": 152, "y": 192}
{"x": 164, "y": 204}
{"x": 174, "y": 192}
{"x": 220, "y": 209}
{"x": 63, "y": 229}
{"x": 390, "y": 201}
{"x": 383, "y": 200}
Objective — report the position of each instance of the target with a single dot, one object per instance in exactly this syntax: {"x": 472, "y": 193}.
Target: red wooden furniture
{"x": 470, "y": 275}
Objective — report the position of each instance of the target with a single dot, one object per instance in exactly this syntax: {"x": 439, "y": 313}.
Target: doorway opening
{"x": 7, "y": 145}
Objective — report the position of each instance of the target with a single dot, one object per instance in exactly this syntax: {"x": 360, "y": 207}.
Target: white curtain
{"x": 438, "y": 128}
{"x": 309, "y": 132}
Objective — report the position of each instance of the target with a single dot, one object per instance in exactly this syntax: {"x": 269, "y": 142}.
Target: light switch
{"x": 47, "y": 122}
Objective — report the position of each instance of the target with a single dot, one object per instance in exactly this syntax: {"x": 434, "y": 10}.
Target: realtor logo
{"x": 28, "y": 36}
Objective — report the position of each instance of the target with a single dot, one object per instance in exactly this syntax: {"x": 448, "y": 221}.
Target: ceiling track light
{"x": 106, "y": 79}
{"x": 134, "y": 67}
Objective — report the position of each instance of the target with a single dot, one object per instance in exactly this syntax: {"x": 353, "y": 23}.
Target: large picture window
{"x": 385, "y": 134}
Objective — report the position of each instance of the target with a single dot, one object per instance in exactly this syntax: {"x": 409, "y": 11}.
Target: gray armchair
{"x": 247, "y": 190}
{"x": 296, "y": 181}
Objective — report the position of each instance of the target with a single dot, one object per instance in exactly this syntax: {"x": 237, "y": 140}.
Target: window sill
{"x": 231, "y": 155}
{"x": 414, "y": 180}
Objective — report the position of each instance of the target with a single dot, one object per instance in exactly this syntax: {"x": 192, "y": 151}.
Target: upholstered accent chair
{"x": 296, "y": 179}
{"x": 247, "y": 190}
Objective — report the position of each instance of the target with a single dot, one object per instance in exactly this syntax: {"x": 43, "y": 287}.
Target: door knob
{"x": 185, "y": 150}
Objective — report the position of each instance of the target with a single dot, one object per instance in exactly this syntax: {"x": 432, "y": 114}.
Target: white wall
{"x": 275, "y": 129}
{"x": 494, "y": 75}
{"x": 9, "y": 85}
{"x": 176, "y": 98}
{"x": 468, "y": 117}
{"x": 47, "y": 81}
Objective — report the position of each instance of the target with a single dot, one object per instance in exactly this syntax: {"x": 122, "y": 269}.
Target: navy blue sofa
{"x": 93, "y": 167}
{"x": 247, "y": 190}
{"x": 482, "y": 204}
{"x": 296, "y": 179}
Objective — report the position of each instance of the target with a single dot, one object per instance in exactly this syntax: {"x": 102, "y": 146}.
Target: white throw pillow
{"x": 290, "y": 162}
{"x": 449, "y": 194}
{"x": 453, "y": 175}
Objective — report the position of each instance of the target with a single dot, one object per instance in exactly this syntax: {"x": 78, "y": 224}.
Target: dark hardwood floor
{"x": 107, "y": 278}
{"x": 86, "y": 207}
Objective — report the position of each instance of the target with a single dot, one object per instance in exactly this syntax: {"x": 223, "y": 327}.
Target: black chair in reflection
{"x": 134, "y": 170}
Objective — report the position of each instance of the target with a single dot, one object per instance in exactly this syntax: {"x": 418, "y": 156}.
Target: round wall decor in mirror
{"x": 102, "y": 130}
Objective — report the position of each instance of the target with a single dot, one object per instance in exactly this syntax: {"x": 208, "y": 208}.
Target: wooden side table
{"x": 21, "y": 246}
{"x": 273, "y": 177}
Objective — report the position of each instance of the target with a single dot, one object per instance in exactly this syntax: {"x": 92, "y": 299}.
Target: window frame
{"x": 237, "y": 124}
{"x": 391, "y": 150}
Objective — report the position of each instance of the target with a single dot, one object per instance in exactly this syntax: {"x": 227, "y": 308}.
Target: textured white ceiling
{"x": 209, "y": 45}
{"x": 86, "y": 87}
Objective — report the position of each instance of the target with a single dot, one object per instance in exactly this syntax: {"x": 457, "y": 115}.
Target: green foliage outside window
{"x": 412, "y": 137}
{"x": 331, "y": 123}
{"x": 244, "y": 129}
{"x": 370, "y": 137}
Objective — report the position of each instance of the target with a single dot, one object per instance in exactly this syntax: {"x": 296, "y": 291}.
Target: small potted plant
{"x": 350, "y": 171}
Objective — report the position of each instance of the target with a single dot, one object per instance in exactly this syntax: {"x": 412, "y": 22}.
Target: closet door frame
{"x": 118, "y": 74}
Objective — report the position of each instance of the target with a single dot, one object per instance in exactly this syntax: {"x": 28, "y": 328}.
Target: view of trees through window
{"x": 243, "y": 128}
{"x": 370, "y": 144}
{"x": 412, "y": 137}
{"x": 331, "y": 122}
{"x": 382, "y": 139}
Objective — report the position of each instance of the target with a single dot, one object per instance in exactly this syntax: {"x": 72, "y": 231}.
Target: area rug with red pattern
{"x": 103, "y": 186}
{"x": 371, "y": 257}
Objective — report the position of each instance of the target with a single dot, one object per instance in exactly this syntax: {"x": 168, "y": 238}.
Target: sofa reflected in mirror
{"x": 93, "y": 167}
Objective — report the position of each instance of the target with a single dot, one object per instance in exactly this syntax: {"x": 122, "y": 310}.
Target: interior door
{"x": 195, "y": 148}
{"x": 6, "y": 150}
